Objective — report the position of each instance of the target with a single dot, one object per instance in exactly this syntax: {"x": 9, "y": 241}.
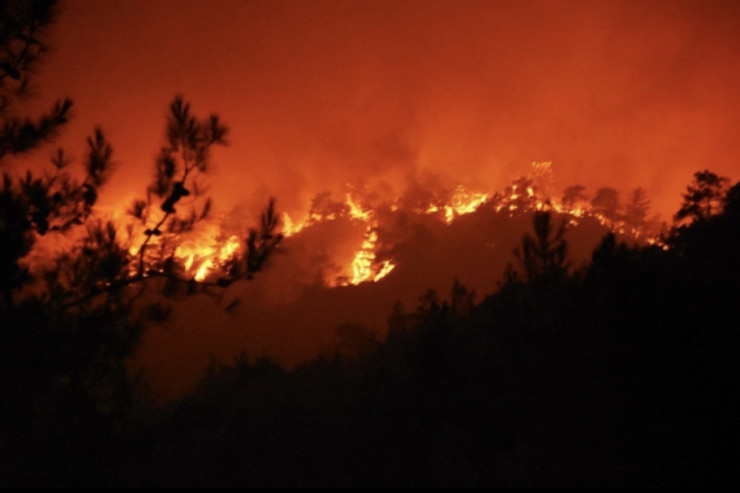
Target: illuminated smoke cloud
{"x": 407, "y": 117}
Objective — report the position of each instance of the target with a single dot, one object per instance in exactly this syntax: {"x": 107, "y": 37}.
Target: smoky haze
{"x": 321, "y": 94}
{"x": 376, "y": 96}
{"x": 288, "y": 313}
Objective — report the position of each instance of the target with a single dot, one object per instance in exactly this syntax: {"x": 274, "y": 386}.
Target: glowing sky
{"x": 334, "y": 95}
{"x": 318, "y": 94}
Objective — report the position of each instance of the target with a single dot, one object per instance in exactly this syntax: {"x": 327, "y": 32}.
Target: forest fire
{"x": 356, "y": 278}
{"x": 363, "y": 267}
{"x": 201, "y": 258}
{"x": 209, "y": 252}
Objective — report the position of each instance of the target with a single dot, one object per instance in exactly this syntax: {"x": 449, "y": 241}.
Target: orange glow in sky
{"x": 323, "y": 93}
{"x": 368, "y": 99}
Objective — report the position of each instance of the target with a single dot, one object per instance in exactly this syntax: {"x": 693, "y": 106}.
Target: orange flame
{"x": 290, "y": 227}
{"x": 364, "y": 267}
{"x": 202, "y": 256}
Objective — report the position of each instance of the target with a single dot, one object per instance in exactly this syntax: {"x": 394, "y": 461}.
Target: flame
{"x": 290, "y": 227}
{"x": 356, "y": 212}
{"x": 384, "y": 270}
{"x": 203, "y": 255}
{"x": 364, "y": 266}
{"x": 463, "y": 202}
{"x": 362, "y": 263}
{"x": 525, "y": 195}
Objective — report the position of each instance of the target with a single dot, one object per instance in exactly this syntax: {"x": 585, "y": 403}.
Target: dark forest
{"x": 618, "y": 372}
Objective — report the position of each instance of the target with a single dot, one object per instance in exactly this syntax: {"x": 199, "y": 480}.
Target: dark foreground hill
{"x": 624, "y": 373}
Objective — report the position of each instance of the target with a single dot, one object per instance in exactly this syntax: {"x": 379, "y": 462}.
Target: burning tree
{"x": 572, "y": 196}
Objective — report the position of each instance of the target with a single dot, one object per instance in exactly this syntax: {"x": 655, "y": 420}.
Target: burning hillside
{"x": 208, "y": 252}
{"x": 361, "y": 281}
{"x": 282, "y": 287}
{"x": 347, "y": 260}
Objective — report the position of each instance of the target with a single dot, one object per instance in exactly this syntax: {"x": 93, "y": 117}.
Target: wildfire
{"x": 198, "y": 256}
{"x": 290, "y": 227}
{"x": 463, "y": 202}
{"x": 209, "y": 251}
{"x": 356, "y": 212}
{"x": 201, "y": 257}
{"x": 363, "y": 265}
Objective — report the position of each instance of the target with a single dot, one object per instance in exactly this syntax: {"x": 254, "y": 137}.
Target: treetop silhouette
{"x": 544, "y": 255}
{"x": 703, "y": 198}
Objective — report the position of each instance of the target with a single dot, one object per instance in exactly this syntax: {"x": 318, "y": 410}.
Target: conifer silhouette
{"x": 703, "y": 198}
{"x": 543, "y": 256}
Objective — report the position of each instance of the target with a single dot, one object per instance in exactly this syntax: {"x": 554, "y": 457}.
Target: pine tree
{"x": 32, "y": 206}
{"x": 637, "y": 208}
{"x": 67, "y": 328}
{"x": 261, "y": 243}
{"x": 184, "y": 158}
{"x": 606, "y": 203}
{"x": 543, "y": 256}
{"x": 703, "y": 198}
{"x": 23, "y": 31}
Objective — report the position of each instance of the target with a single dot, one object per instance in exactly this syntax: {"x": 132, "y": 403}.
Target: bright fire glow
{"x": 463, "y": 202}
{"x": 355, "y": 211}
{"x": 363, "y": 268}
{"x": 202, "y": 256}
{"x": 290, "y": 227}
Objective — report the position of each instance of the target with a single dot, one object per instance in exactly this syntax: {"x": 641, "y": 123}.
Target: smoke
{"x": 386, "y": 99}
{"x": 322, "y": 94}
{"x": 288, "y": 313}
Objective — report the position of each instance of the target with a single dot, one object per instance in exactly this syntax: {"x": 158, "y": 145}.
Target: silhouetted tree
{"x": 607, "y": 258}
{"x": 31, "y": 205}
{"x": 179, "y": 163}
{"x": 544, "y": 255}
{"x": 23, "y": 28}
{"x": 606, "y": 202}
{"x": 54, "y": 349}
{"x": 54, "y": 202}
{"x": 703, "y": 197}
{"x": 68, "y": 325}
{"x": 430, "y": 310}
{"x": 261, "y": 243}
{"x": 398, "y": 320}
{"x": 637, "y": 207}
{"x": 732, "y": 202}
{"x": 461, "y": 300}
